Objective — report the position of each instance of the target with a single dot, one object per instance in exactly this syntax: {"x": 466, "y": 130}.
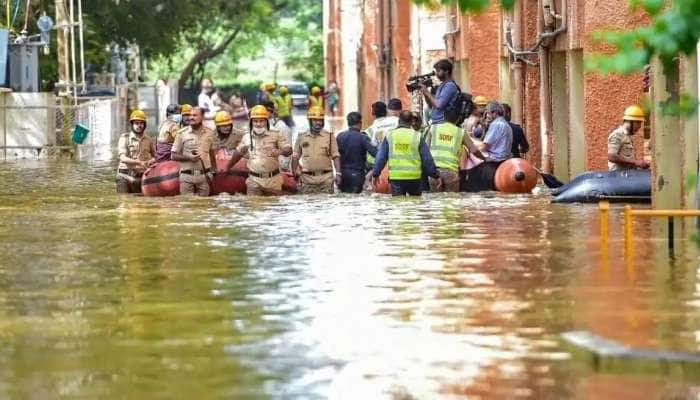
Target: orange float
{"x": 163, "y": 179}
{"x": 289, "y": 184}
{"x": 234, "y": 181}
{"x": 516, "y": 176}
{"x": 383, "y": 185}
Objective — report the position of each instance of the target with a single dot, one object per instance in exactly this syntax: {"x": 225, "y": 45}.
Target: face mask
{"x": 259, "y": 131}
{"x": 177, "y": 118}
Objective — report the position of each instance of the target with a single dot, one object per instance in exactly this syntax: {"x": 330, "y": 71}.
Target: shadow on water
{"x": 323, "y": 297}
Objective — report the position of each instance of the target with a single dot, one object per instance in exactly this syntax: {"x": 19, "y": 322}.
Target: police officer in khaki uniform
{"x": 194, "y": 148}
{"x": 318, "y": 152}
{"x": 226, "y": 137}
{"x": 620, "y": 145}
{"x": 167, "y": 132}
{"x": 137, "y": 152}
{"x": 262, "y": 146}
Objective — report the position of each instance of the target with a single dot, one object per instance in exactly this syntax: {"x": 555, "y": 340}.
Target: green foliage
{"x": 674, "y": 31}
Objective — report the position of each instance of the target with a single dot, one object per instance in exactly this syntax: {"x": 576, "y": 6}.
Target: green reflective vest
{"x": 446, "y": 145}
{"x": 404, "y": 154}
{"x": 283, "y": 106}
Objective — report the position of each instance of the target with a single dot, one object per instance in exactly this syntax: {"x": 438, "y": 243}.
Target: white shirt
{"x": 381, "y": 126}
{"x": 205, "y": 101}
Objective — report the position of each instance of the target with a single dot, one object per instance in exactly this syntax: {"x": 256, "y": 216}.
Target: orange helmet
{"x": 186, "y": 109}
{"x": 481, "y": 101}
{"x": 315, "y": 112}
{"x": 137, "y": 115}
{"x": 222, "y": 118}
{"x": 259, "y": 112}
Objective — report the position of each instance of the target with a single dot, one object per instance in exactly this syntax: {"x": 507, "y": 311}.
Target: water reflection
{"x": 321, "y": 297}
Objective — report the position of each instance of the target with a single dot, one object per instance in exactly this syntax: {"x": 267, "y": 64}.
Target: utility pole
{"x": 64, "y": 81}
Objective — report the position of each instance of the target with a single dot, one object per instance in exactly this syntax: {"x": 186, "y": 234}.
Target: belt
{"x": 265, "y": 175}
{"x": 195, "y": 172}
{"x": 130, "y": 172}
{"x": 317, "y": 173}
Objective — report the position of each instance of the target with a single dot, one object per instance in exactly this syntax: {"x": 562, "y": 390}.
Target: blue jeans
{"x": 404, "y": 188}
{"x": 352, "y": 181}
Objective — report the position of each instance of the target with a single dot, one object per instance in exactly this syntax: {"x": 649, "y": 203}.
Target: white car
{"x": 299, "y": 92}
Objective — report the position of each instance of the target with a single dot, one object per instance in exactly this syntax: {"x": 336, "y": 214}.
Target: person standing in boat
{"x": 227, "y": 137}
{"x": 620, "y": 144}
{"x": 496, "y": 148}
{"x": 167, "y": 132}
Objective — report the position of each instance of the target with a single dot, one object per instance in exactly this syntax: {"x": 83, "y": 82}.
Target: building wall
{"x": 585, "y": 106}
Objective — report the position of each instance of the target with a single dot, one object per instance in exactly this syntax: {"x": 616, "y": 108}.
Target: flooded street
{"x": 341, "y": 297}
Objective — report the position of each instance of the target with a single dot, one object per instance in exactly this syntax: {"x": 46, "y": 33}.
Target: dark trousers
{"x": 404, "y": 188}
{"x": 481, "y": 178}
{"x": 289, "y": 121}
{"x": 352, "y": 181}
{"x": 124, "y": 186}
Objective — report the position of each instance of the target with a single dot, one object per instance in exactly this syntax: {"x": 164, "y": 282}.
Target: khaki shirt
{"x": 167, "y": 132}
{"x": 132, "y": 146}
{"x": 263, "y": 154}
{"x": 620, "y": 142}
{"x": 231, "y": 142}
{"x": 188, "y": 140}
{"x": 316, "y": 152}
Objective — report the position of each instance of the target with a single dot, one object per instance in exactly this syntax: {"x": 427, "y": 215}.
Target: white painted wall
{"x": 350, "y": 38}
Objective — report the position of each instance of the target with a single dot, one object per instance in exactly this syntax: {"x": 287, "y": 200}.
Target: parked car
{"x": 299, "y": 92}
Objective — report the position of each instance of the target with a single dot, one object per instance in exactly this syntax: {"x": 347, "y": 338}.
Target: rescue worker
{"x": 268, "y": 96}
{"x": 167, "y": 132}
{"x": 317, "y": 150}
{"x": 227, "y": 137}
{"x": 186, "y": 111}
{"x": 408, "y": 157}
{"x": 495, "y": 148}
{"x": 194, "y": 149}
{"x": 474, "y": 124}
{"x": 620, "y": 144}
{"x": 137, "y": 152}
{"x": 278, "y": 125}
{"x": 315, "y": 99}
{"x": 394, "y": 107}
{"x": 262, "y": 146}
{"x": 379, "y": 128}
{"x": 447, "y": 142}
{"x": 283, "y": 107}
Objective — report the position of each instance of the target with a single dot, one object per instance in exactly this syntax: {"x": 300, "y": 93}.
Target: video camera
{"x": 415, "y": 82}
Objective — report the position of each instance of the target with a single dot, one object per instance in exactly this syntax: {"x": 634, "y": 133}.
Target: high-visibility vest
{"x": 404, "y": 154}
{"x": 316, "y": 101}
{"x": 377, "y": 132}
{"x": 282, "y": 104}
{"x": 446, "y": 145}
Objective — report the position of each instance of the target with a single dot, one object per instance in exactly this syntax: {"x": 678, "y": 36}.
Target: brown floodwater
{"x": 338, "y": 297}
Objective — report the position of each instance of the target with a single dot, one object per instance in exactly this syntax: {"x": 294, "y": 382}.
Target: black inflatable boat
{"x": 629, "y": 186}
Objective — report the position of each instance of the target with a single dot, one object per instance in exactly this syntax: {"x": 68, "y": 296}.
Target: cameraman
{"x": 447, "y": 93}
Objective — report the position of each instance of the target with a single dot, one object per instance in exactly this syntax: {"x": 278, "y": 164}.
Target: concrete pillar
{"x": 560, "y": 116}
{"x": 690, "y": 130}
{"x": 577, "y": 134}
{"x": 667, "y": 183}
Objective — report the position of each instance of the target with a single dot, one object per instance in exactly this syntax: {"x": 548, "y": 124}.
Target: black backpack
{"x": 462, "y": 105}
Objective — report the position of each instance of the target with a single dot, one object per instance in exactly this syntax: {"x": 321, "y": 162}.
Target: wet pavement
{"x": 341, "y": 297}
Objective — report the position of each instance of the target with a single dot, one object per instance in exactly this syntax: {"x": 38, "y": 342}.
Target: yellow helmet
{"x": 186, "y": 109}
{"x": 259, "y": 112}
{"x": 481, "y": 101}
{"x": 315, "y": 112}
{"x": 222, "y": 118}
{"x": 284, "y": 90}
{"x": 262, "y": 86}
{"x": 270, "y": 87}
{"x": 634, "y": 113}
{"x": 137, "y": 115}
{"x": 315, "y": 90}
